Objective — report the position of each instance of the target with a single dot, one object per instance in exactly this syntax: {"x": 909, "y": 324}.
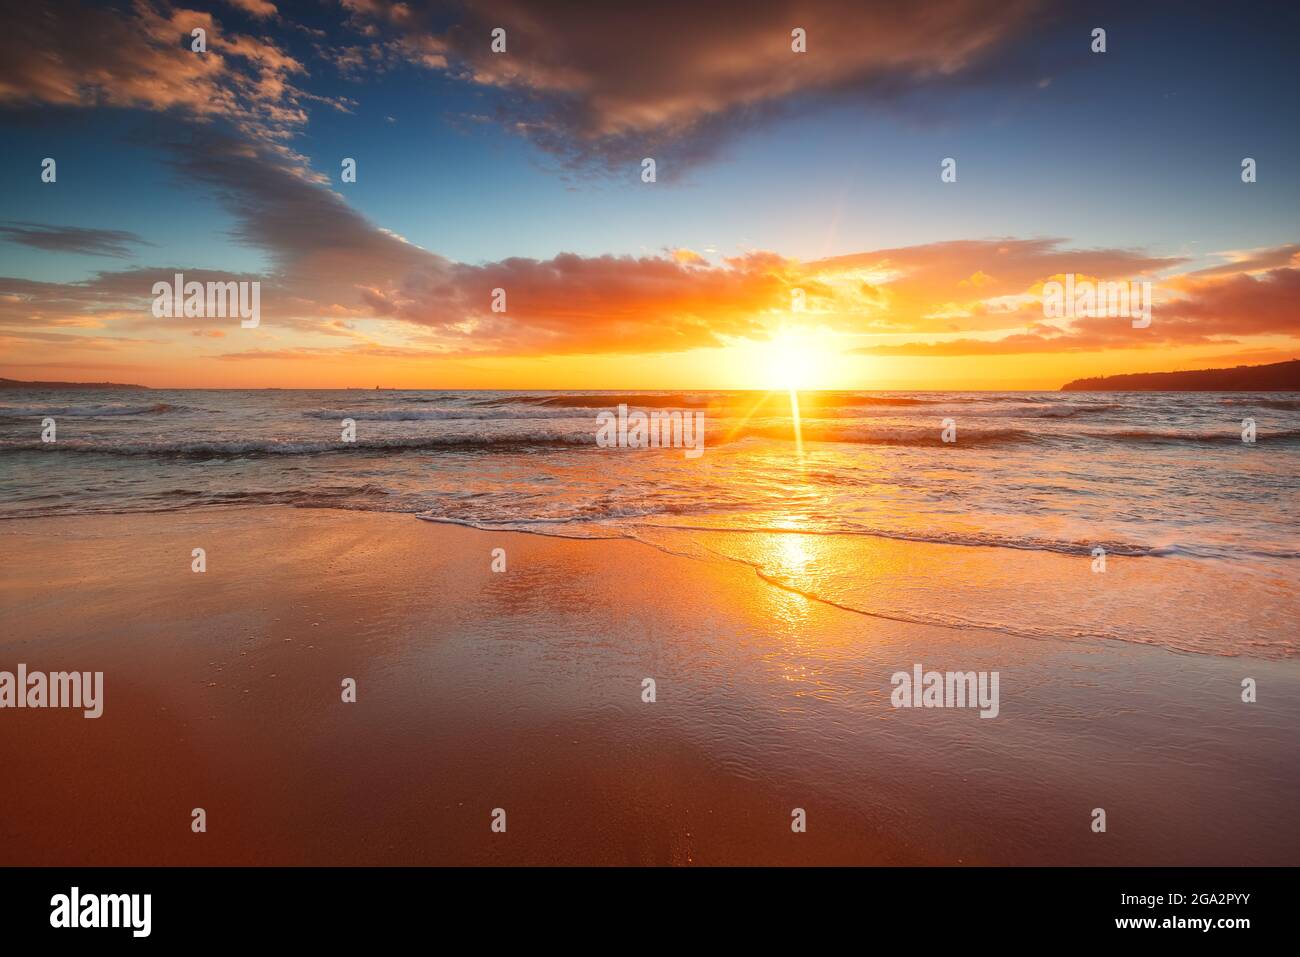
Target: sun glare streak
{"x": 798, "y": 360}
{"x": 798, "y": 426}
{"x": 747, "y": 416}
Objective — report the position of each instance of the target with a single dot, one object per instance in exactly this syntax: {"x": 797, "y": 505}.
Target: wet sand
{"x": 522, "y": 690}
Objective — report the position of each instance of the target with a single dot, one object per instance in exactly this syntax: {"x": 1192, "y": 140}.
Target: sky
{"x": 797, "y": 230}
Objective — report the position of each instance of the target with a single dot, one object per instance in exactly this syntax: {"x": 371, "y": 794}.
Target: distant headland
{"x": 1275, "y": 377}
{"x": 19, "y": 384}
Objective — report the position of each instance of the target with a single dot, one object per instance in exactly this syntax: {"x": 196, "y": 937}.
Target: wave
{"x": 930, "y": 438}
{"x": 811, "y": 432}
{"x": 911, "y": 438}
{"x": 515, "y": 441}
{"x": 1196, "y": 438}
{"x": 696, "y": 400}
{"x": 365, "y": 498}
{"x": 777, "y": 408}
{"x": 1070, "y": 411}
{"x": 970, "y": 539}
{"x": 594, "y": 526}
{"x": 437, "y": 415}
{"x": 259, "y": 448}
{"x": 1286, "y": 404}
{"x": 601, "y": 401}
{"x": 86, "y": 411}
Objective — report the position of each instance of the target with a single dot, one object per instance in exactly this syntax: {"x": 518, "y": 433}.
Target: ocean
{"x": 1153, "y": 477}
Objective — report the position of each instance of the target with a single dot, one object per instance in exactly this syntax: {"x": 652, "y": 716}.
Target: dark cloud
{"x": 72, "y": 239}
{"x": 609, "y": 83}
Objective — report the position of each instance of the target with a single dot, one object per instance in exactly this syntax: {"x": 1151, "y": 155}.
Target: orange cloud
{"x": 260, "y": 9}
{"x": 74, "y": 54}
{"x": 334, "y": 273}
{"x": 1207, "y": 306}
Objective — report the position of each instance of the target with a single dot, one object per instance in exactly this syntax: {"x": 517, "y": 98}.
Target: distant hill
{"x": 1275, "y": 377}
{"x": 19, "y": 384}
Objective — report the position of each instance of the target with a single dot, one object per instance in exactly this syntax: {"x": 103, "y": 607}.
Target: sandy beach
{"x": 522, "y": 690}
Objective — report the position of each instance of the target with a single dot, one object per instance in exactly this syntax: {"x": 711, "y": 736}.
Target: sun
{"x": 796, "y": 360}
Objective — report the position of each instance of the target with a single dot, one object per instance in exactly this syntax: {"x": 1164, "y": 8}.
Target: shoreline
{"x": 1026, "y": 556}
{"x": 522, "y": 690}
